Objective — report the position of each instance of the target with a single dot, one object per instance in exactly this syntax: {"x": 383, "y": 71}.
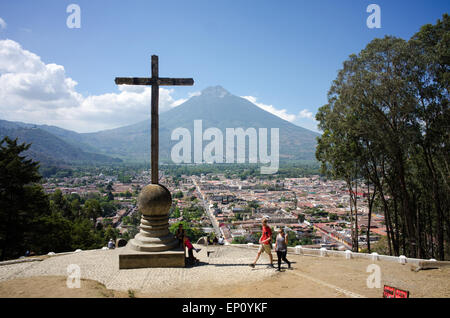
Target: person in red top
{"x": 190, "y": 247}
{"x": 266, "y": 243}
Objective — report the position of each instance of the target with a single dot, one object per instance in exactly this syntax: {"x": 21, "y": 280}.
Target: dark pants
{"x": 282, "y": 256}
{"x": 191, "y": 258}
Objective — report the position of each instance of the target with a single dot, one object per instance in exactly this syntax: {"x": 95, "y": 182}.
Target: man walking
{"x": 266, "y": 243}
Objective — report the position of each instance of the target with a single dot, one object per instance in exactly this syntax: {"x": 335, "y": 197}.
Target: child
{"x": 187, "y": 243}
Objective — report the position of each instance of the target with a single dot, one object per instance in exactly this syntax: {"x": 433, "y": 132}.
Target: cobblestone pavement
{"x": 225, "y": 264}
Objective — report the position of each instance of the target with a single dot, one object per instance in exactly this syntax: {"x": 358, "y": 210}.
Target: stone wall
{"x": 299, "y": 250}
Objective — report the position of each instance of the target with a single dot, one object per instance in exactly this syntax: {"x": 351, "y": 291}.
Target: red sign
{"x": 392, "y": 292}
{"x": 401, "y": 293}
{"x": 388, "y": 292}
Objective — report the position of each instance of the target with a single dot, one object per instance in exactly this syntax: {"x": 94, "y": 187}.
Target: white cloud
{"x": 306, "y": 114}
{"x": 304, "y": 118}
{"x": 27, "y": 82}
{"x": 2, "y": 24}
{"x": 282, "y": 113}
{"x": 194, "y": 94}
{"x": 35, "y": 92}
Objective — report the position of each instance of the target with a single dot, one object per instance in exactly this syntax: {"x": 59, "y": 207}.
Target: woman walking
{"x": 281, "y": 248}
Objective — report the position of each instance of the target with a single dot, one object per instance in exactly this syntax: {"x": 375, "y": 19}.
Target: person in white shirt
{"x": 111, "y": 244}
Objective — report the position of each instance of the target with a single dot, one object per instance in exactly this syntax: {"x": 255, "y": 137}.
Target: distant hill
{"x": 48, "y": 148}
{"x": 215, "y": 106}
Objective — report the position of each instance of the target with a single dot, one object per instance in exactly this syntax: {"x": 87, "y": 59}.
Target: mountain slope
{"x": 216, "y": 107}
{"x": 48, "y": 148}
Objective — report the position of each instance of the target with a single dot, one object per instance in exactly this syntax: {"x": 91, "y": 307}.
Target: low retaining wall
{"x": 50, "y": 254}
{"x": 20, "y": 260}
{"x": 323, "y": 252}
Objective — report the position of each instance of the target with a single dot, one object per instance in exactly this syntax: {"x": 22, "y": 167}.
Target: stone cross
{"x": 155, "y": 81}
{"x": 154, "y": 245}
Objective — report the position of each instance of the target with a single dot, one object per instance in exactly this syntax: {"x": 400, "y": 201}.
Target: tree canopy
{"x": 386, "y": 123}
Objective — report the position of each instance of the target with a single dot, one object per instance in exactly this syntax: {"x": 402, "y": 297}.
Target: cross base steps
{"x": 130, "y": 258}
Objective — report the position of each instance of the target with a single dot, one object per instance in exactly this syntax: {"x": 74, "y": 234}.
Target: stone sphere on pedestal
{"x": 154, "y": 203}
{"x": 154, "y": 199}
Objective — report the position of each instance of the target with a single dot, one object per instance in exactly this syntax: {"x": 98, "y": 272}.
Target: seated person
{"x": 179, "y": 234}
{"x": 111, "y": 244}
{"x": 190, "y": 247}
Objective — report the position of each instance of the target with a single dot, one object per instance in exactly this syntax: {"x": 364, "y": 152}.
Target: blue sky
{"x": 281, "y": 54}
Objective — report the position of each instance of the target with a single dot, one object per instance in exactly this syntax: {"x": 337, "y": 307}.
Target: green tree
{"x": 76, "y": 208}
{"x": 109, "y": 187}
{"x": 178, "y": 194}
{"x": 176, "y": 213}
{"x": 333, "y": 216}
{"x": 109, "y": 196}
{"x": 22, "y": 200}
{"x": 108, "y": 209}
{"x": 386, "y": 123}
{"x": 84, "y": 236}
{"x": 110, "y": 232}
{"x": 192, "y": 232}
{"x": 301, "y": 217}
{"x": 239, "y": 240}
{"x": 51, "y": 233}
{"x": 60, "y": 204}
{"x": 92, "y": 210}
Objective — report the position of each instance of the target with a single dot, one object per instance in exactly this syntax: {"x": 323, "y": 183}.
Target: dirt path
{"x": 329, "y": 277}
{"x": 55, "y": 287}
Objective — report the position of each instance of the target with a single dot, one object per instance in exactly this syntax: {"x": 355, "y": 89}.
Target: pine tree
{"x": 21, "y": 198}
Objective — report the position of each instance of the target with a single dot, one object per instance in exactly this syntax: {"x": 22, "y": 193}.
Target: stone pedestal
{"x": 154, "y": 245}
{"x": 130, "y": 258}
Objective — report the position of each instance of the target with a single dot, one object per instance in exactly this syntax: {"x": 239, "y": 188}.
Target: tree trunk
{"x": 430, "y": 224}
{"x": 397, "y": 227}
{"x": 369, "y": 218}
{"x": 390, "y": 237}
{"x": 407, "y": 211}
{"x": 437, "y": 204}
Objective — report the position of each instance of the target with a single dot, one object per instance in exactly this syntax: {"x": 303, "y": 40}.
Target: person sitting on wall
{"x": 111, "y": 244}
{"x": 187, "y": 243}
{"x": 179, "y": 234}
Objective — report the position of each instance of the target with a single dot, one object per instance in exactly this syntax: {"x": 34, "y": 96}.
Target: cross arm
{"x": 162, "y": 81}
